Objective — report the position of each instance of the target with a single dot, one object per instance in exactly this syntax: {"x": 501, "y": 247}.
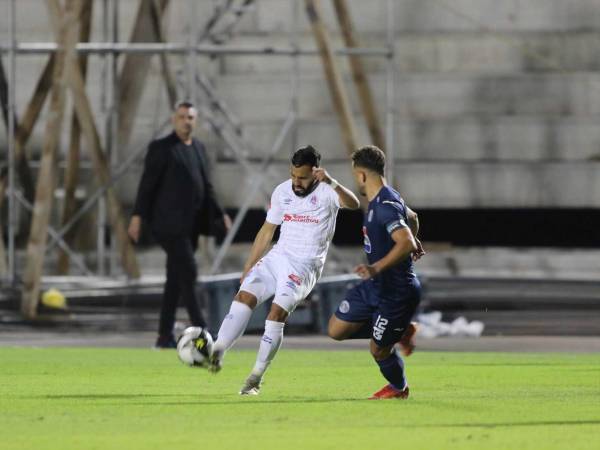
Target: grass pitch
{"x": 142, "y": 399}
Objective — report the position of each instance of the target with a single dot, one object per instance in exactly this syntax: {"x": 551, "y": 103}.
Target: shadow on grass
{"x": 246, "y": 400}
{"x": 98, "y": 396}
{"x": 509, "y": 424}
{"x": 218, "y": 400}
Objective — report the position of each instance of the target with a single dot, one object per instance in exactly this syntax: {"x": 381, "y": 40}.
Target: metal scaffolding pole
{"x": 182, "y": 48}
{"x": 296, "y": 11}
{"x": 101, "y": 218}
{"x": 191, "y": 54}
{"x": 11, "y": 144}
{"x": 390, "y": 92}
{"x": 113, "y": 118}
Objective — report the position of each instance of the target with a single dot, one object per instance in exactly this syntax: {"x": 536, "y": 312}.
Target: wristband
{"x": 333, "y": 183}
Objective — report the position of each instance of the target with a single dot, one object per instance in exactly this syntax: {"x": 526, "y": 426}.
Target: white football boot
{"x": 252, "y": 385}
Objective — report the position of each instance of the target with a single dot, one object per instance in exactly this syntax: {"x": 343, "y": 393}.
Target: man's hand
{"x": 321, "y": 175}
{"x": 228, "y": 222}
{"x": 135, "y": 225}
{"x": 365, "y": 271}
{"x": 416, "y": 255}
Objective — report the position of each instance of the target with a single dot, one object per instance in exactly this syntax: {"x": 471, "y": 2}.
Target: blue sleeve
{"x": 392, "y": 215}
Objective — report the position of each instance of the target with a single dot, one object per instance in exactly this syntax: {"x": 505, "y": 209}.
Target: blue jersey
{"x": 386, "y": 214}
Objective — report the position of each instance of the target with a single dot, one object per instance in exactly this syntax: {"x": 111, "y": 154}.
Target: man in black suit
{"x": 177, "y": 201}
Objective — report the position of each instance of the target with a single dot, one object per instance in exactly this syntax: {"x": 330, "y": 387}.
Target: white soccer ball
{"x": 195, "y": 346}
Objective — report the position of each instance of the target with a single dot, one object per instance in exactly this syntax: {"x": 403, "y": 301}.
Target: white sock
{"x": 269, "y": 344}
{"x": 233, "y": 326}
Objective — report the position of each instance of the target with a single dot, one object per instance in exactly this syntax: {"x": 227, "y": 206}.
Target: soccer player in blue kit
{"x": 381, "y": 307}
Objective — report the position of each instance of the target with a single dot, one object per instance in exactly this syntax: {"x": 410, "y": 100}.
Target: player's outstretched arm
{"x": 404, "y": 245}
{"x": 346, "y": 196}
{"x": 261, "y": 243}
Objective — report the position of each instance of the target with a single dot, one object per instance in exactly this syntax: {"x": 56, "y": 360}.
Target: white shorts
{"x": 278, "y": 275}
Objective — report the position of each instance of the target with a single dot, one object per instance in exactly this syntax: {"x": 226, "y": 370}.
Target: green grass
{"x": 142, "y": 399}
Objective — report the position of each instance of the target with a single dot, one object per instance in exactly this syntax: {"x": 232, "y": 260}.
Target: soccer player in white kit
{"x": 305, "y": 207}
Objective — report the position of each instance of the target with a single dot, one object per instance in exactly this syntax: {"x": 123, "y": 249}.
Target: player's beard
{"x": 304, "y": 192}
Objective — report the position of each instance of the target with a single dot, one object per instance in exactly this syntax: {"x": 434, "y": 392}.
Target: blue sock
{"x": 392, "y": 368}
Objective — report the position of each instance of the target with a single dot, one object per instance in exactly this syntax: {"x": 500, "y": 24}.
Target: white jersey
{"x": 307, "y": 223}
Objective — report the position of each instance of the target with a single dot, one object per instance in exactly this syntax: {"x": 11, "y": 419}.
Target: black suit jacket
{"x": 174, "y": 198}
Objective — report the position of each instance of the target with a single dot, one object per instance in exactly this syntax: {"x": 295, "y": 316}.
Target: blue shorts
{"x": 389, "y": 317}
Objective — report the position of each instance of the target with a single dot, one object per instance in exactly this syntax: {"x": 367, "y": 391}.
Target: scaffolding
{"x": 188, "y": 82}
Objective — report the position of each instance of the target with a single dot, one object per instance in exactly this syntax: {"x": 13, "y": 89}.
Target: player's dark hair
{"x": 306, "y": 156}
{"x": 183, "y": 104}
{"x": 370, "y": 157}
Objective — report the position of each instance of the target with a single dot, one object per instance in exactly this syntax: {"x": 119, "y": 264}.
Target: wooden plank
{"x": 135, "y": 70}
{"x": 72, "y": 172}
{"x": 332, "y": 75}
{"x": 359, "y": 74}
{"x": 67, "y": 38}
{"x": 35, "y": 105}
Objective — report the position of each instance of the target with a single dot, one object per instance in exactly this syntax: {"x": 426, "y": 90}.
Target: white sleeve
{"x": 335, "y": 197}
{"x": 275, "y": 213}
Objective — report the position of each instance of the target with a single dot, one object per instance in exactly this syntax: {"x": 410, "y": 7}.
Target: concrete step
{"x": 501, "y": 138}
{"x": 424, "y": 95}
{"x": 432, "y": 15}
{"x": 473, "y": 52}
{"x": 455, "y": 184}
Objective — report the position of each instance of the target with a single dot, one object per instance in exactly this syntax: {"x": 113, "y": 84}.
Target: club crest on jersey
{"x": 367, "y": 241}
{"x": 370, "y": 216}
{"x": 313, "y": 200}
{"x": 344, "y": 306}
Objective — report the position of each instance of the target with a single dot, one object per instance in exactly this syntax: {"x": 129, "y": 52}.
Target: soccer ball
{"x": 195, "y": 346}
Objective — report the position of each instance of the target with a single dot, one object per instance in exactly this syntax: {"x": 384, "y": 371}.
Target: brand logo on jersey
{"x": 344, "y": 306}
{"x": 291, "y": 285}
{"x": 287, "y": 201}
{"x": 370, "y": 216}
{"x": 379, "y": 328}
{"x": 367, "y": 241}
{"x": 295, "y": 278}
{"x": 300, "y": 218}
{"x": 313, "y": 200}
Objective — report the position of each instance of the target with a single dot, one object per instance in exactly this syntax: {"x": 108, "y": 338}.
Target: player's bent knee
{"x": 380, "y": 353}
{"x": 335, "y": 336}
{"x": 277, "y": 313}
{"x": 336, "y": 330}
{"x": 335, "y": 333}
{"x": 246, "y": 298}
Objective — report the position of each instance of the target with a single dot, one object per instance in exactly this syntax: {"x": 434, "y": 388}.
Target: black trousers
{"x": 181, "y": 281}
